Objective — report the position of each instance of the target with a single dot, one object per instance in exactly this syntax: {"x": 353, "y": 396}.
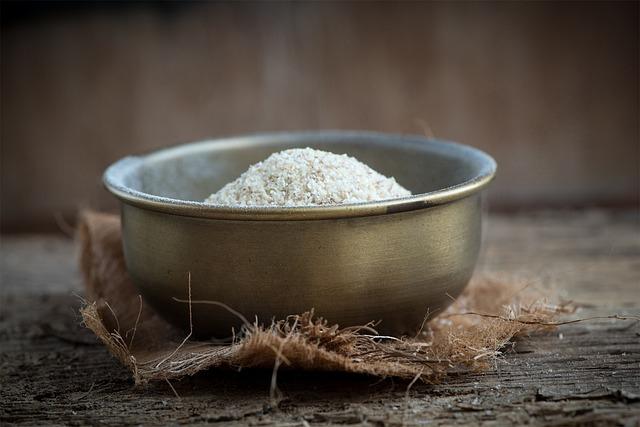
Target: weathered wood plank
{"x": 52, "y": 370}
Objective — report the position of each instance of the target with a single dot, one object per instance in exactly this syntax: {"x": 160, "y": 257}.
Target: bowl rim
{"x": 115, "y": 175}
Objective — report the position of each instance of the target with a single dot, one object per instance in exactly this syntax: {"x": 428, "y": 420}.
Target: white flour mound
{"x": 307, "y": 177}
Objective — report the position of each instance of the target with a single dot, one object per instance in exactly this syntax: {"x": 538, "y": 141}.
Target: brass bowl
{"x": 391, "y": 261}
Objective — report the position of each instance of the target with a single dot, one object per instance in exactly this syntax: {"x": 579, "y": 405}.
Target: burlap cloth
{"x": 479, "y": 324}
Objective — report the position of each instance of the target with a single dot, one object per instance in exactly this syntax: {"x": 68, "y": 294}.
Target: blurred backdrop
{"x": 549, "y": 89}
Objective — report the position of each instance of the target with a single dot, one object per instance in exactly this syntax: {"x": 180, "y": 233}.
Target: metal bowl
{"x": 392, "y": 261}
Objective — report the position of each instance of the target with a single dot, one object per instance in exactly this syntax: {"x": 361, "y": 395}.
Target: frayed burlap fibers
{"x": 467, "y": 336}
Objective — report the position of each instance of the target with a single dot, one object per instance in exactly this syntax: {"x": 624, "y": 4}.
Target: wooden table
{"x": 53, "y": 371}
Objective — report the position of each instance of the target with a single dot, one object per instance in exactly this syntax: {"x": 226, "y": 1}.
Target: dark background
{"x": 549, "y": 89}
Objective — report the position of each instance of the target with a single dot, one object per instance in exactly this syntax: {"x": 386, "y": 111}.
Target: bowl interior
{"x": 191, "y": 172}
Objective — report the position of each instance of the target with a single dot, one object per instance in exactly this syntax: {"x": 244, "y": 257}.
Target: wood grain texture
{"x": 53, "y": 371}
